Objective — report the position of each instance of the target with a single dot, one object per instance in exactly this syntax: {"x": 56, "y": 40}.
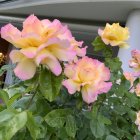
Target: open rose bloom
{"x": 89, "y": 76}
{"x": 41, "y": 42}
{"x": 114, "y": 35}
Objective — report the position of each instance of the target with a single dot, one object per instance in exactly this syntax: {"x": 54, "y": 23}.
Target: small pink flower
{"x": 130, "y": 77}
{"x": 89, "y": 76}
{"x": 135, "y": 61}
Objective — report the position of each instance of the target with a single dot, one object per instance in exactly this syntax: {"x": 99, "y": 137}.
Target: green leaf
{"x": 41, "y": 110}
{"x": 82, "y": 133}
{"x": 99, "y": 45}
{"x": 132, "y": 115}
{"x": 4, "y": 96}
{"x": 103, "y": 119}
{"x": 121, "y": 109}
{"x": 14, "y": 90}
{"x": 1, "y": 72}
{"x": 20, "y": 135}
{"x": 9, "y": 127}
{"x": 110, "y": 137}
{"x": 107, "y": 52}
{"x": 4, "y": 68}
{"x": 6, "y": 114}
{"x": 114, "y": 64}
{"x": 62, "y": 134}
{"x": 131, "y": 100}
{"x": 94, "y": 111}
{"x": 13, "y": 99}
{"x": 88, "y": 114}
{"x": 50, "y": 84}
{"x": 32, "y": 126}
{"x": 71, "y": 126}
{"x": 22, "y": 103}
{"x": 57, "y": 118}
{"x": 97, "y": 128}
{"x": 137, "y": 137}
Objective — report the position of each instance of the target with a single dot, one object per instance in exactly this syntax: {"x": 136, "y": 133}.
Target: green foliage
{"x": 32, "y": 126}
{"x": 99, "y": 45}
{"x": 97, "y": 128}
{"x": 12, "y": 123}
{"x": 71, "y": 126}
{"x": 5, "y": 68}
{"x": 114, "y": 64}
{"x": 4, "y": 96}
{"x": 49, "y": 84}
{"x": 57, "y": 118}
{"x": 110, "y": 137}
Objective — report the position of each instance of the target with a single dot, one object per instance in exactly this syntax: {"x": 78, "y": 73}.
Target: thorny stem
{"x": 30, "y": 101}
{"x": 130, "y": 88}
{"x": 34, "y": 93}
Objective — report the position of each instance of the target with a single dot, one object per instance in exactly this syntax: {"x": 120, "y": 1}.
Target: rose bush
{"x": 59, "y": 93}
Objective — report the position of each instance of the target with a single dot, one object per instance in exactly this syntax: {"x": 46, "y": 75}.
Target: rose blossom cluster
{"x": 90, "y": 76}
{"x": 42, "y": 42}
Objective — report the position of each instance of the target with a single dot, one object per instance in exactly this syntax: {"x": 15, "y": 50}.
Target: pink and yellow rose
{"x": 135, "y": 61}
{"x": 130, "y": 77}
{"x": 41, "y": 42}
{"x": 88, "y": 75}
{"x": 115, "y": 35}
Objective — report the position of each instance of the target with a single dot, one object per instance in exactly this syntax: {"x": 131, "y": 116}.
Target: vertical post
{"x": 133, "y": 23}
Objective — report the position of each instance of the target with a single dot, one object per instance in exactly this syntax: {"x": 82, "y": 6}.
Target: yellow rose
{"x": 115, "y": 35}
